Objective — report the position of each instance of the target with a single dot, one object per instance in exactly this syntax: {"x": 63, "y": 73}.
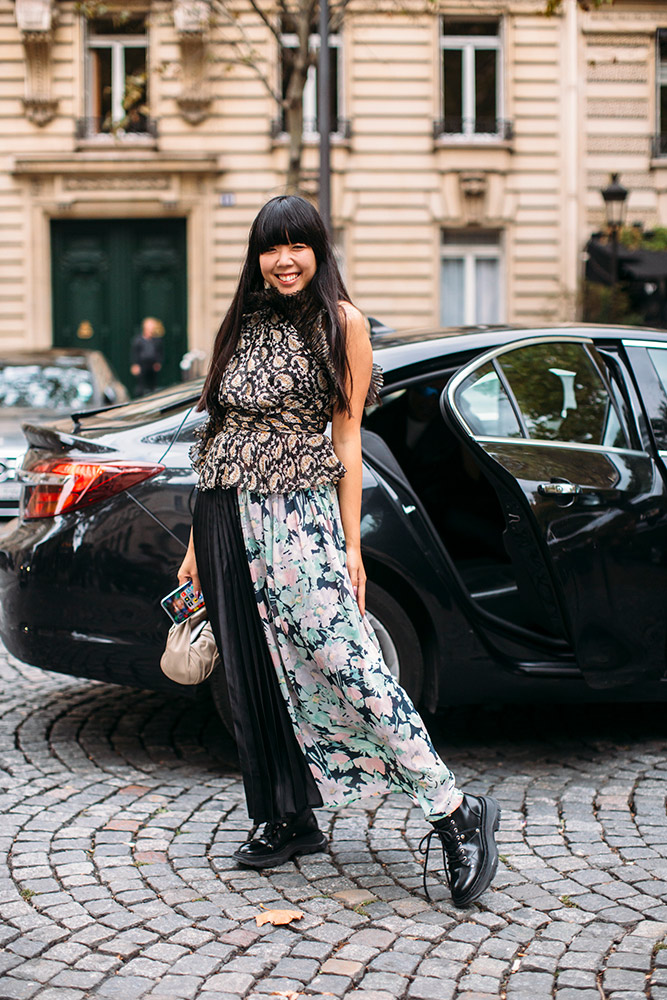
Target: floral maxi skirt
{"x": 306, "y": 657}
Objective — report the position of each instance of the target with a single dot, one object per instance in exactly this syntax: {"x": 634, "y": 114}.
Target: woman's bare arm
{"x": 346, "y": 437}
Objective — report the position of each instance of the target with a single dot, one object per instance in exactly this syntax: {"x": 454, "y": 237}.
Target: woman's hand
{"x": 357, "y": 574}
{"x": 188, "y": 568}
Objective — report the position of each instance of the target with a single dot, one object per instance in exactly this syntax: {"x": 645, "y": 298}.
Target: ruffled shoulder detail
{"x": 377, "y": 381}
{"x": 322, "y": 351}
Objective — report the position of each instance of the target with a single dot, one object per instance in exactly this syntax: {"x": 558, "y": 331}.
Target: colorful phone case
{"x": 182, "y": 602}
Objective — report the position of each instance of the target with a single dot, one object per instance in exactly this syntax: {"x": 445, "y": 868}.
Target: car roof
{"x": 413, "y": 347}
{"x": 66, "y": 356}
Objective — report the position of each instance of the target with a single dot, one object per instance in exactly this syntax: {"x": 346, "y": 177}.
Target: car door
{"x": 585, "y": 506}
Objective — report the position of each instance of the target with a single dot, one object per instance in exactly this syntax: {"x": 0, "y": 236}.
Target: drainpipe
{"x": 324, "y": 116}
{"x": 571, "y": 167}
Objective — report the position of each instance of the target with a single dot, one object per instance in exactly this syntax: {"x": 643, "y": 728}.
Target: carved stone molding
{"x": 473, "y": 185}
{"x": 194, "y": 107}
{"x": 191, "y": 19}
{"x": 35, "y": 22}
{"x": 110, "y": 182}
{"x": 473, "y": 196}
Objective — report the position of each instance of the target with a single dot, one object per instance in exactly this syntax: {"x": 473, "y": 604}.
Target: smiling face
{"x": 289, "y": 267}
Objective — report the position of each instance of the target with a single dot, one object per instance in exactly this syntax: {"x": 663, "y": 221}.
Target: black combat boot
{"x": 281, "y": 840}
{"x": 469, "y": 851}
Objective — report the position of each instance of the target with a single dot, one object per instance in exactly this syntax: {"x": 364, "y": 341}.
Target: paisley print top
{"x": 276, "y": 397}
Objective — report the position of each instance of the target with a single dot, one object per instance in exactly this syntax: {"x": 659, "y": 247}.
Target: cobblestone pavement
{"x": 120, "y": 810}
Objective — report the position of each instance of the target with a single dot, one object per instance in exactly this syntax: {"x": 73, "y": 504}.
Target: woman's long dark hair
{"x": 285, "y": 219}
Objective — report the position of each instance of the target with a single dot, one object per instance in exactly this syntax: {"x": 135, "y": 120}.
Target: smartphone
{"x": 182, "y": 602}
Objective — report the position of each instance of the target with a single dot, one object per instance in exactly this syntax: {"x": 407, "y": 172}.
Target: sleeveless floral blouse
{"x": 276, "y": 398}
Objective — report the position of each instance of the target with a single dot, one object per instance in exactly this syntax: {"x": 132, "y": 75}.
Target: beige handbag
{"x": 191, "y": 654}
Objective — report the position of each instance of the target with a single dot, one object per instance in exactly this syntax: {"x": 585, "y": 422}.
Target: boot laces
{"x": 451, "y": 842}
{"x": 271, "y": 829}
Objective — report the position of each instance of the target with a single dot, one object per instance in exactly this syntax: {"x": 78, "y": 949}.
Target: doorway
{"x": 107, "y": 275}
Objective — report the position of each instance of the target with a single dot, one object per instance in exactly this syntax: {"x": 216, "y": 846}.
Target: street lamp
{"x": 324, "y": 116}
{"x": 614, "y": 196}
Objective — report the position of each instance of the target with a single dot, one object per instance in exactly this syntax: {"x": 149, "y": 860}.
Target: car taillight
{"x": 58, "y": 486}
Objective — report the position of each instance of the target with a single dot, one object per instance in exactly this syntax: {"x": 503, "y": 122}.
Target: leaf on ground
{"x": 277, "y": 917}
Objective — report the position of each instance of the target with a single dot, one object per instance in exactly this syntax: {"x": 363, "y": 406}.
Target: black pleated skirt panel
{"x": 276, "y": 777}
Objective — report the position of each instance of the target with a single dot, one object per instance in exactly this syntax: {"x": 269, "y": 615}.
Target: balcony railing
{"x": 340, "y": 128}
{"x": 98, "y": 129}
{"x": 473, "y": 128}
{"x": 659, "y": 145}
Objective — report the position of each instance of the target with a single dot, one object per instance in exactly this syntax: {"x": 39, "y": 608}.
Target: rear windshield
{"x": 45, "y": 387}
{"x": 153, "y": 408}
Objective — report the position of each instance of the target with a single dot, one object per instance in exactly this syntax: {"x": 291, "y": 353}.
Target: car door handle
{"x": 558, "y": 489}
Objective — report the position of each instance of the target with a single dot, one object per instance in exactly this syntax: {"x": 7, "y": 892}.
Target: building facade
{"x": 469, "y": 146}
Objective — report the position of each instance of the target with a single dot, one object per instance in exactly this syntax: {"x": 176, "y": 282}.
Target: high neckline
{"x": 296, "y": 307}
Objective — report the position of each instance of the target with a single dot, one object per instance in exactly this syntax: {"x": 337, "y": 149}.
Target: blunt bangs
{"x": 287, "y": 219}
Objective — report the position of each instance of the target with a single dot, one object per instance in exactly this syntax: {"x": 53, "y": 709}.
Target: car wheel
{"x": 398, "y": 641}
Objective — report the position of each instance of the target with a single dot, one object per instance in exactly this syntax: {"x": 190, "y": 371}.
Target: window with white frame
{"x": 471, "y": 78}
{"x": 289, "y": 42}
{"x": 661, "y": 102}
{"x": 116, "y": 75}
{"x": 470, "y": 278}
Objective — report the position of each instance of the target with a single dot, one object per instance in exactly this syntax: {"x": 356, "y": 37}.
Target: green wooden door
{"x": 107, "y": 275}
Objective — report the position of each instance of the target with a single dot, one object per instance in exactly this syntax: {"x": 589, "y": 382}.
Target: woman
{"x": 275, "y": 548}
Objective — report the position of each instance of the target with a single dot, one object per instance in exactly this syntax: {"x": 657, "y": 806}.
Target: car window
{"x": 608, "y": 358}
{"x": 561, "y": 394}
{"x": 165, "y": 407}
{"x": 483, "y": 403}
{"x": 649, "y": 364}
{"x": 658, "y": 356}
{"x": 47, "y": 387}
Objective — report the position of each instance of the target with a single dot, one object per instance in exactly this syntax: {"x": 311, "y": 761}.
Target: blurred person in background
{"x": 146, "y": 355}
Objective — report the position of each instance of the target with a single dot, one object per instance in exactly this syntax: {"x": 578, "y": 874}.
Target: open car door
{"x": 585, "y": 506}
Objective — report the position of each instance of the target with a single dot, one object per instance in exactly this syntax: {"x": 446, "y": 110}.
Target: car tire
{"x": 398, "y": 641}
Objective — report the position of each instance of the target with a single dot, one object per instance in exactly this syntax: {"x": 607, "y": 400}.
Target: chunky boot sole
{"x": 490, "y": 823}
{"x": 310, "y": 843}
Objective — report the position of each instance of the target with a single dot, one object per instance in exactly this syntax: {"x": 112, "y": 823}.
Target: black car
{"x": 41, "y": 385}
{"x": 514, "y": 521}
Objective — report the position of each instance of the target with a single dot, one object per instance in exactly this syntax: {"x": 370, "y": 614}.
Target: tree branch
{"x": 247, "y": 55}
{"x": 248, "y": 63}
{"x": 266, "y": 19}
{"x": 337, "y": 15}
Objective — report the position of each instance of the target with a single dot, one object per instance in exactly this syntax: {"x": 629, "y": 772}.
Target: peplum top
{"x": 276, "y": 398}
